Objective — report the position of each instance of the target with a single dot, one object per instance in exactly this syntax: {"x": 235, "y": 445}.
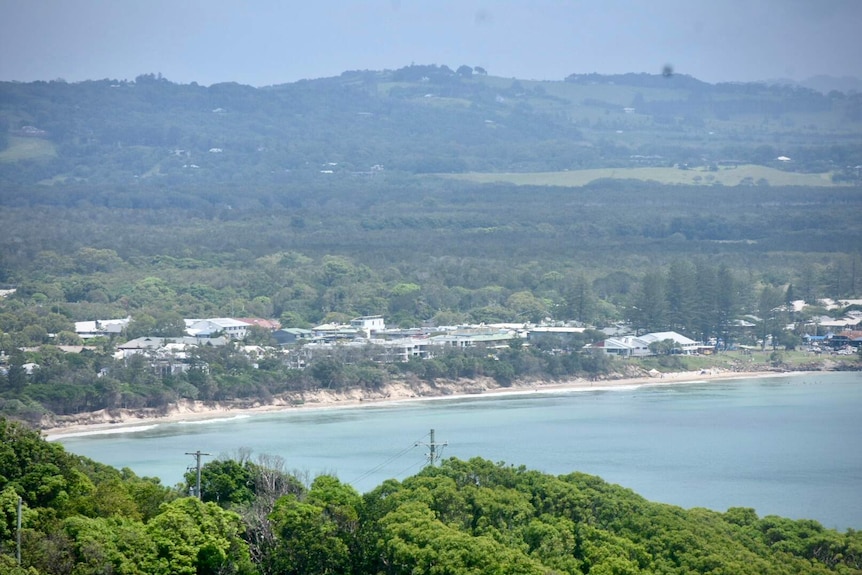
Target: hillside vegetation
{"x": 419, "y": 119}
{"x": 462, "y": 517}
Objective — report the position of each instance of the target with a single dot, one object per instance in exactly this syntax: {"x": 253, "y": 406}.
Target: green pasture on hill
{"x": 27, "y": 149}
{"x": 725, "y": 176}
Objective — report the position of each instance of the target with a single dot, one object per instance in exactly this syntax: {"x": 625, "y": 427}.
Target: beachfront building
{"x": 683, "y": 344}
{"x": 625, "y": 346}
{"x": 464, "y": 337}
{"x": 630, "y": 346}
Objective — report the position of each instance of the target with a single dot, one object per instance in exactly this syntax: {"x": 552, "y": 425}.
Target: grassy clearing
{"x": 27, "y": 149}
{"x": 754, "y": 360}
{"x": 729, "y": 176}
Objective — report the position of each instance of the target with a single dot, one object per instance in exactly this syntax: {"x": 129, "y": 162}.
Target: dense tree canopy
{"x": 462, "y": 517}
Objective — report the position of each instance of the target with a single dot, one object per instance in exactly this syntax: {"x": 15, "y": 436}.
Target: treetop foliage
{"x": 461, "y": 517}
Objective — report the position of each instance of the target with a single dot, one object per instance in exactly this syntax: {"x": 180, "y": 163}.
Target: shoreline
{"x": 126, "y": 420}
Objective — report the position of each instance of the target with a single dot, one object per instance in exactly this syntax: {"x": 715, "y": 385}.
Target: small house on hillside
{"x": 232, "y": 328}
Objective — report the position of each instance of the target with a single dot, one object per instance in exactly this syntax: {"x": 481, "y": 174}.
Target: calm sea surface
{"x": 789, "y": 445}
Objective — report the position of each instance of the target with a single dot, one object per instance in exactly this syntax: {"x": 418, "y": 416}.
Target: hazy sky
{"x": 262, "y": 42}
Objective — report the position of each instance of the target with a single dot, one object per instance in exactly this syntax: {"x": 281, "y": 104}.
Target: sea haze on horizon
{"x": 782, "y": 445}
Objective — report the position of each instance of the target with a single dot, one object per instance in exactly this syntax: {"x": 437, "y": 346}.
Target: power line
{"x": 409, "y": 468}
{"x": 18, "y": 534}
{"x": 385, "y": 463}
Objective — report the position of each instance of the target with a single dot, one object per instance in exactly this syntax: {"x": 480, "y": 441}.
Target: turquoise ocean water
{"x": 789, "y": 445}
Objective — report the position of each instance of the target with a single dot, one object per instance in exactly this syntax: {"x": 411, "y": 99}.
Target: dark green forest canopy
{"x": 428, "y": 232}
{"x": 192, "y": 177}
{"x": 462, "y": 517}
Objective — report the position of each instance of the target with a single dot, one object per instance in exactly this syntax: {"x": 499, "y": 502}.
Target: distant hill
{"x": 415, "y": 120}
{"x": 826, "y": 84}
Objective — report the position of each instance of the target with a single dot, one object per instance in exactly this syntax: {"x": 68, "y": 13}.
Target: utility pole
{"x": 18, "y": 547}
{"x": 433, "y": 455}
{"x": 198, "y": 455}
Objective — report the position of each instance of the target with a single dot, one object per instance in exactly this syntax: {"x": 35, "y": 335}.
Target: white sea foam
{"x": 103, "y": 431}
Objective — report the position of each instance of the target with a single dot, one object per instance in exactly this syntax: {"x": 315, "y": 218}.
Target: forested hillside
{"x": 419, "y": 119}
{"x": 463, "y": 517}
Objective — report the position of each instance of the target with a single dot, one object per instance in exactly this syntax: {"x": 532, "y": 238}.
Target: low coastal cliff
{"x": 403, "y": 390}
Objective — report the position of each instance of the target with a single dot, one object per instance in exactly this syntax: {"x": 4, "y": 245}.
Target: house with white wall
{"x": 101, "y": 327}
{"x": 368, "y": 323}
{"x": 681, "y": 342}
{"x": 626, "y": 346}
{"x": 631, "y": 346}
{"x": 232, "y": 328}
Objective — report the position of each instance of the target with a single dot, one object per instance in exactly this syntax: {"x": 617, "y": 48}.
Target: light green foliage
{"x": 42, "y": 473}
{"x": 90, "y": 260}
{"x": 340, "y": 502}
{"x": 224, "y": 481}
{"x": 579, "y": 524}
{"x": 317, "y": 532}
{"x": 413, "y": 540}
{"x": 471, "y": 517}
{"x": 526, "y": 306}
{"x": 9, "y": 566}
{"x": 309, "y": 541}
{"x": 192, "y": 537}
{"x": 9, "y": 514}
{"x": 116, "y": 545}
{"x": 111, "y": 497}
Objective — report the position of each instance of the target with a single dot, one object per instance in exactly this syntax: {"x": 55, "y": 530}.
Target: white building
{"x": 630, "y": 346}
{"x": 368, "y": 323}
{"x": 100, "y": 328}
{"x": 232, "y": 328}
{"x": 685, "y": 344}
{"x": 627, "y": 346}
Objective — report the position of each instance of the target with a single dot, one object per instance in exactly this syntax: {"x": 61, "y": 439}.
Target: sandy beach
{"x": 117, "y": 419}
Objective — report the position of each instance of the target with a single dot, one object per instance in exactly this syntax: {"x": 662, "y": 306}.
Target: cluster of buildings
{"x": 640, "y": 346}
{"x": 299, "y": 346}
{"x": 370, "y": 336}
